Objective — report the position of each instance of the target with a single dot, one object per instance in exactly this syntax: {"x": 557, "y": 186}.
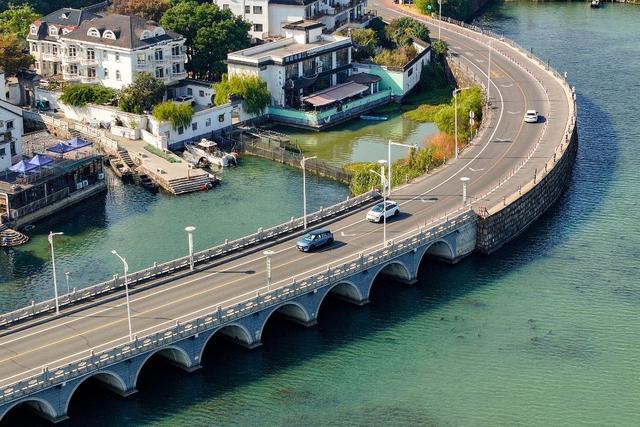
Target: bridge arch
{"x": 174, "y": 354}
{"x": 345, "y": 290}
{"x": 110, "y": 380}
{"x": 440, "y": 249}
{"x": 41, "y": 406}
{"x": 396, "y": 269}
{"x": 234, "y": 332}
{"x": 292, "y": 310}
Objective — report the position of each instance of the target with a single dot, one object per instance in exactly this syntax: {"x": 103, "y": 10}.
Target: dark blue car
{"x": 315, "y": 239}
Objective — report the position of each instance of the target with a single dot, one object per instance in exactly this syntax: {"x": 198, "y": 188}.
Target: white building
{"x": 109, "y": 50}
{"x": 11, "y": 130}
{"x": 303, "y": 62}
{"x": 268, "y": 17}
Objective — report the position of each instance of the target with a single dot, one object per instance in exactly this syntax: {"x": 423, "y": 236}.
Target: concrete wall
{"x": 507, "y": 223}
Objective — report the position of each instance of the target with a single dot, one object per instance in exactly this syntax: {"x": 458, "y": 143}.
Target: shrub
{"x": 365, "y": 41}
{"x": 252, "y": 89}
{"x": 176, "y": 114}
{"x": 396, "y": 58}
{"x": 141, "y": 95}
{"x": 158, "y": 152}
{"x": 403, "y": 31}
{"x": 82, "y": 94}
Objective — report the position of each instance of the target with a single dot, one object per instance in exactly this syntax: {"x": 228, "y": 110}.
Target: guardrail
{"x": 219, "y": 315}
{"x": 158, "y": 270}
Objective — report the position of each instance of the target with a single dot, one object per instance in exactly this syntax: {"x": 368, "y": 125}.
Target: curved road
{"x": 500, "y": 148}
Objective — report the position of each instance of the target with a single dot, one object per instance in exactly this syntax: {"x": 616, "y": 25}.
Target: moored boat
{"x": 209, "y": 150}
{"x": 120, "y": 169}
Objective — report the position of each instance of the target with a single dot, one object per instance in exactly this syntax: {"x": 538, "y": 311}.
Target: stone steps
{"x": 10, "y": 237}
{"x": 184, "y": 185}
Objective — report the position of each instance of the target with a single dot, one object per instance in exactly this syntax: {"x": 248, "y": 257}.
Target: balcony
{"x": 87, "y": 79}
{"x": 182, "y": 58}
{"x": 50, "y": 57}
{"x": 70, "y": 76}
{"x": 179, "y": 76}
{"x": 71, "y": 59}
{"x": 142, "y": 65}
{"x": 89, "y": 61}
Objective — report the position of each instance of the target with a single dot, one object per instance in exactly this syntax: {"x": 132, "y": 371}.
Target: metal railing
{"x": 219, "y": 315}
{"x": 210, "y": 254}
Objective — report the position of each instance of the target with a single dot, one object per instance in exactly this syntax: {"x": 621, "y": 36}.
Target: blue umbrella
{"x": 40, "y": 160}
{"x": 22, "y": 167}
{"x": 76, "y": 143}
{"x": 60, "y": 148}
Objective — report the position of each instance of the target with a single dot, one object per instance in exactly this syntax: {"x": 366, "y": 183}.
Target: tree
{"x": 179, "y": 115}
{"x": 82, "y": 94}
{"x": 365, "y": 41}
{"x": 440, "y": 48}
{"x": 12, "y": 58}
{"x": 210, "y": 34}
{"x": 147, "y": 9}
{"x": 141, "y": 95}
{"x": 253, "y": 90}
{"x": 403, "y": 31}
{"x": 16, "y": 19}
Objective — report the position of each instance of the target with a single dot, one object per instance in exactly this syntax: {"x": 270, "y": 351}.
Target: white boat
{"x": 209, "y": 151}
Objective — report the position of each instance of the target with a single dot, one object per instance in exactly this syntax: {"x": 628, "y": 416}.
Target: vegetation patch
{"x": 158, "y": 152}
{"x": 252, "y": 89}
{"x": 179, "y": 115}
{"x": 82, "y": 94}
{"x": 141, "y": 95}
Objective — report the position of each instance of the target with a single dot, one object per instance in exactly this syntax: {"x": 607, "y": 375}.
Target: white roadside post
{"x": 464, "y": 180}
{"x": 303, "y": 163}
{"x": 268, "y": 254}
{"x": 66, "y": 275}
{"x": 126, "y": 291}
{"x": 53, "y": 268}
{"x": 190, "y": 229}
{"x": 384, "y": 201}
{"x": 390, "y": 143}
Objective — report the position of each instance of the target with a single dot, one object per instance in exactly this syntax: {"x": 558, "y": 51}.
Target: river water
{"x": 544, "y": 332}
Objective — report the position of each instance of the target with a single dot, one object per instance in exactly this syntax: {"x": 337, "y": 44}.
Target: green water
{"x": 545, "y": 332}
{"x": 361, "y": 140}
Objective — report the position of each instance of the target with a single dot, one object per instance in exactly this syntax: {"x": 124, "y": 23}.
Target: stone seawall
{"x": 506, "y": 224}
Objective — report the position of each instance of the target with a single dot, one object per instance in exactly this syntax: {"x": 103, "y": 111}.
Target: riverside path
{"x": 512, "y": 170}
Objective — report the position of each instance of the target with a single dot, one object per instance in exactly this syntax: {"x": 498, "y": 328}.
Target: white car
{"x": 377, "y": 213}
{"x": 531, "y": 116}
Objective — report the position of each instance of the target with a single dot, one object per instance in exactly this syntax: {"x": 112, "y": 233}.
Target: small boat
{"x": 197, "y": 161}
{"x": 120, "y": 169}
{"x": 148, "y": 183}
{"x": 595, "y": 4}
{"x": 210, "y": 151}
{"x": 373, "y": 118}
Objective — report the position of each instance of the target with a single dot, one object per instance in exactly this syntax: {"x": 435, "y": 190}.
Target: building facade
{"x": 268, "y": 17}
{"x": 11, "y": 130}
{"x": 108, "y": 50}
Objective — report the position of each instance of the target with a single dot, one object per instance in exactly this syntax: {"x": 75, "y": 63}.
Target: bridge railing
{"x": 159, "y": 270}
{"x": 219, "y": 316}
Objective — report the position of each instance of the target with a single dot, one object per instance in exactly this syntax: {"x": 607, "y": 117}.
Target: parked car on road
{"x": 377, "y": 213}
{"x": 315, "y": 239}
{"x": 531, "y": 116}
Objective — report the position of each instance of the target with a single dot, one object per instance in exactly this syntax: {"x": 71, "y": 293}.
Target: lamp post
{"x": 384, "y": 201}
{"x": 268, "y": 254}
{"x": 439, "y": 19}
{"x": 489, "y": 77}
{"x": 464, "y": 180}
{"x": 390, "y": 143}
{"x": 303, "y": 163}
{"x": 455, "y": 113}
{"x": 66, "y": 275}
{"x": 53, "y": 268}
{"x": 126, "y": 291}
{"x": 190, "y": 229}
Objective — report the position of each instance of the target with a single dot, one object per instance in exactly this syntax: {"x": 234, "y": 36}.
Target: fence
{"x": 219, "y": 315}
{"x": 158, "y": 270}
{"x": 273, "y": 151}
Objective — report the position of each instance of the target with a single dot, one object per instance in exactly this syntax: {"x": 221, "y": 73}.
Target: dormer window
{"x": 65, "y": 15}
{"x": 53, "y": 31}
{"x": 93, "y": 32}
{"x": 65, "y": 31}
{"x": 159, "y": 31}
{"x": 145, "y": 34}
{"x": 108, "y": 34}
{"x": 33, "y": 30}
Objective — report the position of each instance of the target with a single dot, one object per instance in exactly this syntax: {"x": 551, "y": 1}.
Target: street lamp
{"x": 455, "y": 113}
{"x": 190, "y": 230}
{"x": 53, "y": 267}
{"x": 66, "y": 275}
{"x": 384, "y": 201}
{"x": 268, "y": 254}
{"x": 439, "y": 19}
{"x": 464, "y": 180}
{"x": 489, "y": 76}
{"x": 126, "y": 291}
{"x": 304, "y": 188}
{"x": 413, "y": 146}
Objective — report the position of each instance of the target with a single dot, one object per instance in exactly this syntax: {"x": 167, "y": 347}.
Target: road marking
{"x": 476, "y": 170}
{"x": 514, "y": 112}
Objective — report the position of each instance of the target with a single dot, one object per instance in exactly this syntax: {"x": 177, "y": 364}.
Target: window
{"x": 309, "y": 67}
{"x": 65, "y": 31}
{"x": 176, "y": 68}
{"x": 175, "y": 50}
{"x": 33, "y": 30}
{"x": 54, "y": 50}
{"x": 72, "y": 51}
{"x": 180, "y": 130}
{"x": 201, "y": 94}
{"x": 142, "y": 58}
{"x": 247, "y": 9}
{"x": 91, "y": 54}
{"x": 158, "y": 55}
{"x": 91, "y": 72}
{"x": 189, "y": 91}
{"x": 53, "y": 31}
{"x": 225, "y": 7}
{"x": 342, "y": 57}
{"x": 326, "y": 61}
{"x": 34, "y": 47}
{"x": 117, "y": 56}
{"x": 194, "y": 126}
{"x": 410, "y": 73}
{"x": 108, "y": 34}
{"x": 9, "y": 124}
{"x": 73, "y": 69}
{"x": 257, "y": 27}
{"x": 257, "y": 10}
{"x": 106, "y": 73}
{"x": 221, "y": 118}
{"x": 207, "y": 123}
{"x": 118, "y": 75}
{"x": 3, "y": 152}
{"x": 159, "y": 73}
